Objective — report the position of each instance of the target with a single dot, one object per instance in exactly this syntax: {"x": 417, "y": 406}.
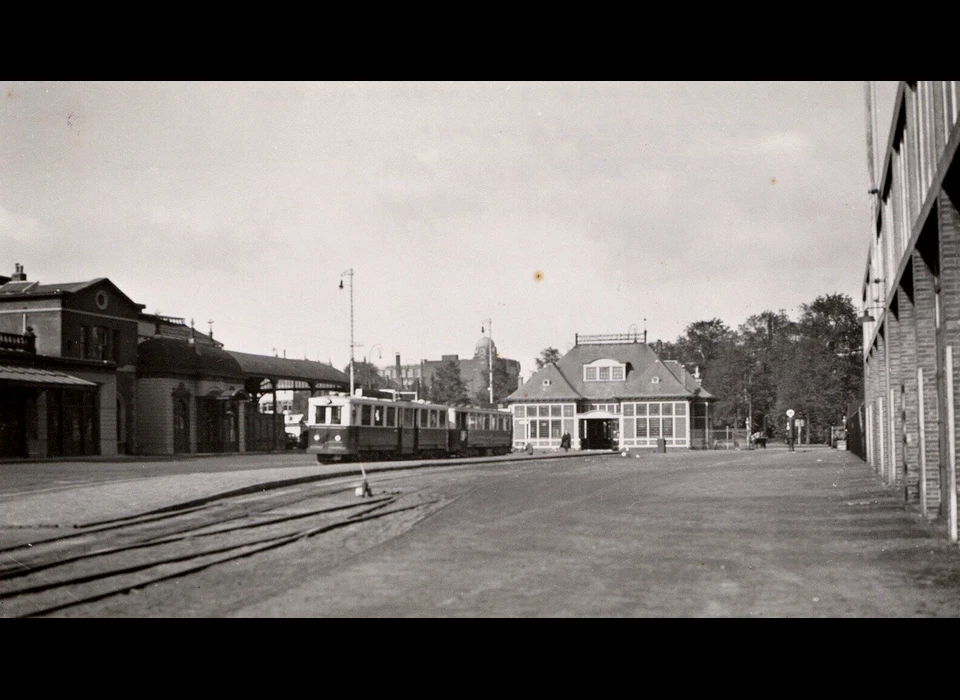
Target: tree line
{"x": 772, "y": 363}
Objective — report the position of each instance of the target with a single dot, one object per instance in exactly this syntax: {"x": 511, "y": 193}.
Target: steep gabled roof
{"x": 642, "y": 367}
{"x": 547, "y": 384}
{"x": 689, "y": 381}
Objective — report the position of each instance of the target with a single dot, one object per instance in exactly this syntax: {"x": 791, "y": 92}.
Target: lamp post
{"x": 363, "y": 489}
{"x": 489, "y": 327}
{"x": 349, "y": 273}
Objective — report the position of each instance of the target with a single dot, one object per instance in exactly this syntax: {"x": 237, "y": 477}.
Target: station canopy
{"x": 268, "y": 373}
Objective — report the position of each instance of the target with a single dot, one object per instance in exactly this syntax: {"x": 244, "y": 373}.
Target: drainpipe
{"x": 952, "y": 463}
{"x": 923, "y": 445}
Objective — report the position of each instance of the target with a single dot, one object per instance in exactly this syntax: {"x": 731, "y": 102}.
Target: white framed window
{"x": 604, "y": 370}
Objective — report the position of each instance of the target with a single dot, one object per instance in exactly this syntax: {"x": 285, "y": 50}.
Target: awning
{"x": 598, "y": 414}
{"x": 40, "y": 378}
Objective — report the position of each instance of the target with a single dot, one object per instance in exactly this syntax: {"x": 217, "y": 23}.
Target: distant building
{"x": 475, "y": 372}
{"x": 612, "y": 392}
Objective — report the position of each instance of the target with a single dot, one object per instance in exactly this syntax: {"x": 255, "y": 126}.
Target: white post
{"x": 868, "y": 432}
{"x": 892, "y": 420}
{"x": 952, "y": 464}
{"x": 880, "y": 437}
{"x": 923, "y": 445}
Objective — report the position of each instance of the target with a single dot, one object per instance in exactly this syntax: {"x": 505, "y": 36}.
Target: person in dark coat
{"x": 565, "y": 442}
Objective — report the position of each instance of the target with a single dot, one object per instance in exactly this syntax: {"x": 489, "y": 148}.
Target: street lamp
{"x": 364, "y": 488}
{"x": 867, "y": 318}
{"x": 489, "y": 327}
{"x": 349, "y": 273}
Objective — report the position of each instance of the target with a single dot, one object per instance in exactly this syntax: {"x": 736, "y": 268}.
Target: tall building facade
{"x": 911, "y": 302}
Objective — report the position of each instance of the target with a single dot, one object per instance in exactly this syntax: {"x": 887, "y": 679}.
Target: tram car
{"x": 344, "y": 428}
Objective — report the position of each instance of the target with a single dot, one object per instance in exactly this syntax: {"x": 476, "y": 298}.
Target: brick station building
{"x": 911, "y": 303}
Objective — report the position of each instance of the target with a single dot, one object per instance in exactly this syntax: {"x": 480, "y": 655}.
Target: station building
{"x": 68, "y": 375}
{"x": 612, "y": 392}
{"x": 911, "y": 303}
{"x": 84, "y": 371}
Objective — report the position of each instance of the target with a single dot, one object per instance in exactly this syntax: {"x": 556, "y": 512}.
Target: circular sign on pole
{"x": 790, "y": 413}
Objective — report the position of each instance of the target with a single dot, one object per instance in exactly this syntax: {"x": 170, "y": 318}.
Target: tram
{"x": 365, "y": 428}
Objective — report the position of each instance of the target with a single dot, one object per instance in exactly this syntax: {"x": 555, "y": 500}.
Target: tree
{"x": 447, "y": 385}
{"x": 825, "y": 373}
{"x": 547, "y": 356}
{"x": 701, "y": 342}
{"x": 365, "y": 375}
{"x": 767, "y": 341}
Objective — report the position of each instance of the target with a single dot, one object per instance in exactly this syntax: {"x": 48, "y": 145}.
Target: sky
{"x": 535, "y": 211}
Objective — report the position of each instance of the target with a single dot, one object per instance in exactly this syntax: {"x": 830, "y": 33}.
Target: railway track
{"x": 86, "y": 563}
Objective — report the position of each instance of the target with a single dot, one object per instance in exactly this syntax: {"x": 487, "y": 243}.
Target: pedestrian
{"x": 565, "y": 441}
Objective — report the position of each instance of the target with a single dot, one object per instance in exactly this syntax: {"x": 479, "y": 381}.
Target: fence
{"x": 265, "y": 431}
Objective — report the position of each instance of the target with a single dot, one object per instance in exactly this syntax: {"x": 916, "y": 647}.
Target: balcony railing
{"x": 22, "y": 343}
{"x": 610, "y": 338}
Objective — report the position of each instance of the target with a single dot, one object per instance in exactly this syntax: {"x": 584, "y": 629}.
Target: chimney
{"x": 18, "y": 274}
{"x": 399, "y": 375}
{"x": 659, "y": 347}
{"x": 683, "y": 375}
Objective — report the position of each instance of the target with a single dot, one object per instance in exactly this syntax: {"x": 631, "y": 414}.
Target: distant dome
{"x": 175, "y": 356}
{"x": 483, "y": 346}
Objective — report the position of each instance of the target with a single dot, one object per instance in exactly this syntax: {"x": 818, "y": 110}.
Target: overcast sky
{"x": 550, "y": 208}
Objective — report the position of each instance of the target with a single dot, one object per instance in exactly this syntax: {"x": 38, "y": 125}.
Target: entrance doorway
{"x": 599, "y": 433}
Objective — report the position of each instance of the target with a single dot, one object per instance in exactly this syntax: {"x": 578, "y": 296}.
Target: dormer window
{"x": 605, "y": 370}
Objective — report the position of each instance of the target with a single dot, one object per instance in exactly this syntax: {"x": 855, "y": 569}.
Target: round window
{"x": 102, "y": 299}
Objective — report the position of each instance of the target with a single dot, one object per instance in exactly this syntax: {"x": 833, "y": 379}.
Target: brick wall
{"x": 949, "y": 220}
{"x": 895, "y": 399}
{"x": 926, "y": 352}
{"x": 910, "y": 464}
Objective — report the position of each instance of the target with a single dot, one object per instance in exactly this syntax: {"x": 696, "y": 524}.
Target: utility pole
{"x": 349, "y": 273}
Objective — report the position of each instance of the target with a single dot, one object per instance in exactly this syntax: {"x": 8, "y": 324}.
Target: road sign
{"x": 790, "y": 413}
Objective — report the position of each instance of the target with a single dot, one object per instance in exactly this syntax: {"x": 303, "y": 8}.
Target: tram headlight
{"x": 337, "y": 438}
{"x": 316, "y": 436}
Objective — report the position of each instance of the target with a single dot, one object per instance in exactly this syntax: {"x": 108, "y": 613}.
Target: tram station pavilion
{"x": 612, "y": 392}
